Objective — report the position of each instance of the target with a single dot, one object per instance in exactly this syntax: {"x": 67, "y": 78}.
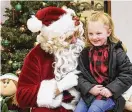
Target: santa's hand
{"x": 69, "y": 81}
{"x": 46, "y": 94}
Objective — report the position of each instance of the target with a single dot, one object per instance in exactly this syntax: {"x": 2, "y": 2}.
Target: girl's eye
{"x": 90, "y": 34}
{"x": 98, "y": 33}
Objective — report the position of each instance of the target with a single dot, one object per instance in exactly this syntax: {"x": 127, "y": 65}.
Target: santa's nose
{"x": 74, "y": 39}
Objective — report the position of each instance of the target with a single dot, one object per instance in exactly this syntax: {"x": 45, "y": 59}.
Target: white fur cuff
{"x": 127, "y": 94}
{"x": 57, "y": 101}
{"x": 46, "y": 94}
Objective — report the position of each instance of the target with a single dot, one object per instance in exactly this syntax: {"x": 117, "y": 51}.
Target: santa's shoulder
{"x": 38, "y": 52}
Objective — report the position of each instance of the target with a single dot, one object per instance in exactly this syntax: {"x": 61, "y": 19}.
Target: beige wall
{"x": 3, "y": 5}
{"x": 122, "y": 16}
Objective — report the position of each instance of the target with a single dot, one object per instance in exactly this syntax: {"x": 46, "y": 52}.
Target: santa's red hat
{"x": 52, "y": 21}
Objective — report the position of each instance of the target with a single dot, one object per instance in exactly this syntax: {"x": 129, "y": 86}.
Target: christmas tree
{"x": 17, "y": 40}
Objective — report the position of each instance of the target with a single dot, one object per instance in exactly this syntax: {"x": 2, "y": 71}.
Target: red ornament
{"x": 76, "y": 18}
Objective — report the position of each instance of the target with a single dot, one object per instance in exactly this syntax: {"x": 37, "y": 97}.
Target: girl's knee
{"x": 81, "y": 107}
{"x": 94, "y": 108}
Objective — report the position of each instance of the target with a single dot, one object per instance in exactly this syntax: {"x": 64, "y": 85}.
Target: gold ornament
{"x": 64, "y": 7}
{"x": 82, "y": 19}
{"x": 22, "y": 28}
{"x": 10, "y": 62}
{"x": 35, "y": 44}
{"x": 18, "y": 72}
{"x": 44, "y": 3}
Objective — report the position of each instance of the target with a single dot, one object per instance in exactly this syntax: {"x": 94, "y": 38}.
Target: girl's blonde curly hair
{"x": 106, "y": 20}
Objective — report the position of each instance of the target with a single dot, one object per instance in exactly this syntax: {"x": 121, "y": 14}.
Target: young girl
{"x": 106, "y": 71}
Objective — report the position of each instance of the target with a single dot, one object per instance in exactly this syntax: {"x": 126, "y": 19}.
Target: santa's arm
{"x": 28, "y": 83}
{"x": 32, "y": 91}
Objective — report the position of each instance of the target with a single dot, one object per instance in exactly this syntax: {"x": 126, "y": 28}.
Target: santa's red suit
{"x": 44, "y": 71}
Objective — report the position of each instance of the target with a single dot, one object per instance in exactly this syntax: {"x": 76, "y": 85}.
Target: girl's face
{"x": 98, "y": 33}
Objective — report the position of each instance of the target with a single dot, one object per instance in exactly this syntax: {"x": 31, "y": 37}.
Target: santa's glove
{"x": 69, "y": 81}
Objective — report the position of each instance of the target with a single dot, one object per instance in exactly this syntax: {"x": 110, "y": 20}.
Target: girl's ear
{"x": 109, "y": 32}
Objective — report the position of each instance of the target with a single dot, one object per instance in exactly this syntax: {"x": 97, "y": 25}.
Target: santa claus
{"x": 48, "y": 76}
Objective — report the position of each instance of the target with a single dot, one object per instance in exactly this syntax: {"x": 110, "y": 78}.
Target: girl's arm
{"x": 124, "y": 79}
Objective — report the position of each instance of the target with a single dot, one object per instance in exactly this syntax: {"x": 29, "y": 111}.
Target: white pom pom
{"x": 69, "y": 11}
{"x": 34, "y": 25}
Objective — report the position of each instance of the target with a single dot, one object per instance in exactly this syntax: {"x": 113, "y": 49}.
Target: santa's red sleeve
{"x": 36, "y": 85}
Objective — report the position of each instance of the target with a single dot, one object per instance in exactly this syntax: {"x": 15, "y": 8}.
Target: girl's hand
{"x": 96, "y": 90}
{"x": 106, "y": 92}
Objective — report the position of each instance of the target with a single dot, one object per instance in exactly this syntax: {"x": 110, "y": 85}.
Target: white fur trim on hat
{"x": 46, "y": 94}
{"x": 34, "y": 24}
{"x": 69, "y": 11}
{"x": 63, "y": 27}
{"x": 9, "y": 76}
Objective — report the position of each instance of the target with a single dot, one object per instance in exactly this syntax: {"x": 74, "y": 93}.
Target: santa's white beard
{"x": 51, "y": 45}
{"x": 66, "y": 54}
{"x": 66, "y": 59}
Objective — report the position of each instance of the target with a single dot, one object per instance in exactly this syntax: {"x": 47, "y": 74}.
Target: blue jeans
{"x": 96, "y": 106}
